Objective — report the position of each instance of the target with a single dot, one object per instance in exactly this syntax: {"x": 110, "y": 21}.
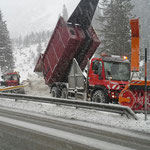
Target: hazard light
{"x": 125, "y": 57}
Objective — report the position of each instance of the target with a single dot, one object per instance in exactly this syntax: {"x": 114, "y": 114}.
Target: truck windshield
{"x": 11, "y": 77}
{"x": 117, "y": 71}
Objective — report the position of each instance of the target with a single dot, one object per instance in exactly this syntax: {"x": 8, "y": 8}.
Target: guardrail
{"x": 114, "y": 108}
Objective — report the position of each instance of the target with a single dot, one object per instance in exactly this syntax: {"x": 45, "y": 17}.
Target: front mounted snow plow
{"x": 133, "y": 95}
{"x": 13, "y": 89}
{"x": 11, "y": 83}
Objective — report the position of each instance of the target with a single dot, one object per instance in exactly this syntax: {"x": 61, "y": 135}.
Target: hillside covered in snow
{"x": 25, "y": 60}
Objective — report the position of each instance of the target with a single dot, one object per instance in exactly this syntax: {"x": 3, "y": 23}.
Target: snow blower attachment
{"x": 133, "y": 95}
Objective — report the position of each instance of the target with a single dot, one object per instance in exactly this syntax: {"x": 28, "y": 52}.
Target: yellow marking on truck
{"x": 12, "y": 88}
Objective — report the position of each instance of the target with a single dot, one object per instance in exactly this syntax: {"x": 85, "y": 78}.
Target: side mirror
{"x": 2, "y": 77}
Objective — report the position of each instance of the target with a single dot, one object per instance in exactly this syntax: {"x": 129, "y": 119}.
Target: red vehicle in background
{"x": 11, "y": 83}
{"x": 10, "y": 79}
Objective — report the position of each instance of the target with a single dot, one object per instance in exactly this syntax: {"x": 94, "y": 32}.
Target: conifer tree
{"x": 115, "y": 25}
{"x": 65, "y": 13}
{"x": 6, "y": 53}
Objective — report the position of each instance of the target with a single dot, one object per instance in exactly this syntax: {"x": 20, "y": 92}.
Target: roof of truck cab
{"x": 111, "y": 59}
{"x": 11, "y": 73}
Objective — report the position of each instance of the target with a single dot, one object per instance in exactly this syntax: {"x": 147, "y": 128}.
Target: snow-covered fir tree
{"x": 115, "y": 27}
{"x": 65, "y": 13}
{"x": 38, "y": 51}
{"x": 6, "y": 53}
{"x": 32, "y": 38}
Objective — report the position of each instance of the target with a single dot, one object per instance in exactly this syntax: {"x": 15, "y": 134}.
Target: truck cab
{"x": 107, "y": 76}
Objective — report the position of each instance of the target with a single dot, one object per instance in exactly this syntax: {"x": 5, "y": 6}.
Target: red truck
{"x": 10, "y": 79}
{"x": 76, "y": 39}
{"x": 11, "y": 83}
{"x": 107, "y": 76}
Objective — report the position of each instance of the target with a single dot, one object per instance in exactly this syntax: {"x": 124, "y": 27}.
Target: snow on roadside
{"x": 96, "y": 117}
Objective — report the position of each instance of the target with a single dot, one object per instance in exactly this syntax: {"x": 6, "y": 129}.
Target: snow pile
{"x": 36, "y": 86}
{"x": 96, "y": 117}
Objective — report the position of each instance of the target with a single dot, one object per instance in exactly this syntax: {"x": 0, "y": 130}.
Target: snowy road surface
{"x": 20, "y": 130}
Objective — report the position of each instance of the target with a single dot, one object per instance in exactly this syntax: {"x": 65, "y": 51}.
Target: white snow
{"x": 92, "y": 116}
{"x": 25, "y": 60}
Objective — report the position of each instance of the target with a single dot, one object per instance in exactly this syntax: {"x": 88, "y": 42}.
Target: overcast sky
{"x": 23, "y": 16}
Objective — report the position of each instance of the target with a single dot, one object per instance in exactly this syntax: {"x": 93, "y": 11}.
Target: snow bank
{"x": 96, "y": 117}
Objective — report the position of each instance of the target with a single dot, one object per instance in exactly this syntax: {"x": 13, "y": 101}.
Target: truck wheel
{"x": 54, "y": 92}
{"x": 64, "y": 93}
{"x": 99, "y": 96}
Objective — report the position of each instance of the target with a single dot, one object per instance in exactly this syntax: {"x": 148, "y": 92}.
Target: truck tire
{"x": 54, "y": 92}
{"x": 99, "y": 96}
{"x": 64, "y": 93}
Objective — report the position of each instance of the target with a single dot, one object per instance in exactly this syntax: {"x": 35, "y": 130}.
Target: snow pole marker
{"x": 145, "y": 84}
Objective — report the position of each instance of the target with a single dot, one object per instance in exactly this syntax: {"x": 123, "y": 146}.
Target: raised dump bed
{"x": 60, "y": 51}
{"x": 68, "y": 41}
{"x": 71, "y": 39}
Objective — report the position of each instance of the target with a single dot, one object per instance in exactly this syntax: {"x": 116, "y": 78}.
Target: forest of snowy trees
{"x": 6, "y": 50}
{"x": 33, "y": 38}
{"x": 111, "y": 23}
{"x": 37, "y": 37}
